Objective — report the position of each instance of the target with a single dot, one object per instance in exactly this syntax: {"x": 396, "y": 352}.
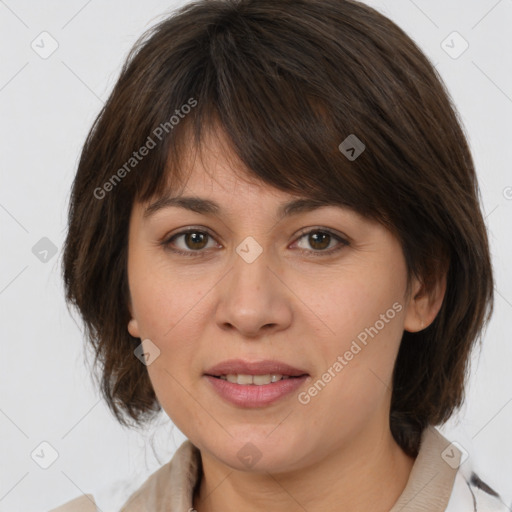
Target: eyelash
{"x": 201, "y": 253}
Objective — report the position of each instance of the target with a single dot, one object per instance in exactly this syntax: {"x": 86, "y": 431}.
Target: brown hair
{"x": 288, "y": 81}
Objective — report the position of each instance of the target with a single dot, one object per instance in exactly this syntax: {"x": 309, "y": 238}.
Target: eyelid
{"x": 343, "y": 240}
{"x": 166, "y": 240}
{"x": 333, "y": 232}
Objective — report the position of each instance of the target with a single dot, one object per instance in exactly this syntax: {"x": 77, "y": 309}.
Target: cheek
{"x": 168, "y": 311}
{"x": 357, "y": 305}
{"x": 173, "y": 322}
{"x": 162, "y": 298}
{"x": 363, "y": 325}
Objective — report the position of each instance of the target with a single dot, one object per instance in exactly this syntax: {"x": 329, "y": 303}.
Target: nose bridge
{"x": 249, "y": 250}
{"x": 250, "y": 270}
{"x": 253, "y": 297}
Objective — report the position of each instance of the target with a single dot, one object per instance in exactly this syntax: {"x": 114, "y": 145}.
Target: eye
{"x": 320, "y": 239}
{"x": 193, "y": 241}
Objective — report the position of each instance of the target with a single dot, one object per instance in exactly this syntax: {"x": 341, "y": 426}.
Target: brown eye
{"x": 195, "y": 239}
{"x": 320, "y": 240}
{"x": 194, "y": 242}
{"x": 191, "y": 242}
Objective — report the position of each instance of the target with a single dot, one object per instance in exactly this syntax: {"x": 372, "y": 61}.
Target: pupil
{"x": 196, "y": 239}
{"x": 314, "y": 240}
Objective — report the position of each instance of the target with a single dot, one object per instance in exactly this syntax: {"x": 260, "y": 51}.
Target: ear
{"x": 133, "y": 328}
{"x": 423, "y": 305}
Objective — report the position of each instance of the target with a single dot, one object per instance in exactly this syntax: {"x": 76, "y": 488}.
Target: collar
{"x": 432, "y": 477}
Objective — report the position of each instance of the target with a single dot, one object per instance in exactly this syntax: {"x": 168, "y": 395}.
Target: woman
{"x": 270, "y": 235}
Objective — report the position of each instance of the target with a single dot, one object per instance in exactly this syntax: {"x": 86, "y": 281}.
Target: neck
{"x": 368, "y": 473}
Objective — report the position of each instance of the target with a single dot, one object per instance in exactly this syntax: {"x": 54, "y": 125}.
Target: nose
{"x": 253, "y": 299}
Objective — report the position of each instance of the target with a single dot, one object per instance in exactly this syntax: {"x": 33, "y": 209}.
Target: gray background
{"x": 46, "y": 108}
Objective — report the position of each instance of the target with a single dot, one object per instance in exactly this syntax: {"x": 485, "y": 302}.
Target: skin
{"x": 335, "y": 452}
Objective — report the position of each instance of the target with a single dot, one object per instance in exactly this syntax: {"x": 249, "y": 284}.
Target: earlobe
{"x": 424, "y": 305}
{"x": 133, "y": 328}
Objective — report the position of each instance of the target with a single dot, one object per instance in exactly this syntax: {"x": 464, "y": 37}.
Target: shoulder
{"x": 443, "y": 478}
{"x": 171, "y": 485}
{"x": 83, "y": 503}
{"x": 471, "y": 493}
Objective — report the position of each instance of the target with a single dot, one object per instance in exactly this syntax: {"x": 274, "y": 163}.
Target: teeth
{"x": 264, "y": 379}
{"x": 258, "y": 380}
{"x": 243, "y": 379}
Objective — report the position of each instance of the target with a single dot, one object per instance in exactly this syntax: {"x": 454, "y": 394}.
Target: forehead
{"x": 227, "y": 179}
{"x": 209, "y": 178}
{"x": 215, "y": 166}
{"x": 213, "y": 177}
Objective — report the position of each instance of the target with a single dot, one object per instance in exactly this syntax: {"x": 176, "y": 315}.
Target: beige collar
{"x": 432, "y": 476}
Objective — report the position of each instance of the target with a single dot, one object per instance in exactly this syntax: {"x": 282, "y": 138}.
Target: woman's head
{"x": 252, "y": 104}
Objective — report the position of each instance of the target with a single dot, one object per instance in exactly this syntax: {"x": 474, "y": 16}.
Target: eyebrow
{"x": 209, "y": 207}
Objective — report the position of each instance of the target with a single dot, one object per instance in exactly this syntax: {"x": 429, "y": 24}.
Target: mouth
{"x": 255, "y": 380}
{"x": 244, "y": 370}
{"x": 254, "y": 384}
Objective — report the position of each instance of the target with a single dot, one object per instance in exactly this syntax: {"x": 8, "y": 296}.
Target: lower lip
{"x": 250, "y": 395}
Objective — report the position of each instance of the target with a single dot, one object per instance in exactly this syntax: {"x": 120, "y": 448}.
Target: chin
{"x": 259, "y": 450}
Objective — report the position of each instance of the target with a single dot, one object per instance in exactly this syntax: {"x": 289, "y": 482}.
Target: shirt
{"x": 437, "y": 483}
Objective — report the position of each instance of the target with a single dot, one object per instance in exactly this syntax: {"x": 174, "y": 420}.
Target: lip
{"x": 251, "y": 395}
{"x": 240, "y": 366}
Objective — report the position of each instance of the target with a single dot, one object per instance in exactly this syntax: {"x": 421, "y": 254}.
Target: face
{"x": 322, "y": 291}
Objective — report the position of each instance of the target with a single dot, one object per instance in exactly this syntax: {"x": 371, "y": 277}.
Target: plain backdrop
{"x": 47, "y": 106}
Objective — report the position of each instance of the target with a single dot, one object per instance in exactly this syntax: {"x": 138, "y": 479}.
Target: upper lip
{"x": 239, "y": 366}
